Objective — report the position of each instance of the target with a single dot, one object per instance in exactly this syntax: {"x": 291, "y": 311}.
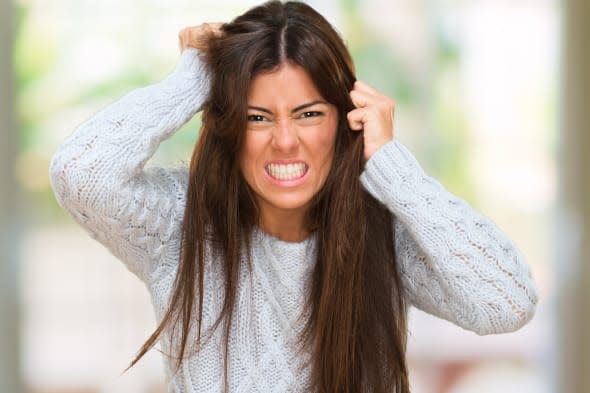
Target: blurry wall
{"x": 572, "y": 261}
{"x": 9, "y": 224}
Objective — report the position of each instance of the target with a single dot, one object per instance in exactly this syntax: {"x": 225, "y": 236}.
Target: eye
{"x": 309, "y": 114}
{"x": 256, "y": 118}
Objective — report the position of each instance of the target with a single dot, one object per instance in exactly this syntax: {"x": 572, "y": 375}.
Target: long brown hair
{"x": 356, "y": 329}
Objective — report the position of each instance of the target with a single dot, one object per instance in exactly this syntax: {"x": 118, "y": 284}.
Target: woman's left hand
{"x": 373, "y": 115}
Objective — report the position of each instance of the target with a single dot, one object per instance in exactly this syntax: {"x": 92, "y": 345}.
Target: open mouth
{"x": 286, "y": 172}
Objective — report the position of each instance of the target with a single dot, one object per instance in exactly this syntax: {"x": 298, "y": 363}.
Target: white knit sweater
{"x": 454, "y": 262}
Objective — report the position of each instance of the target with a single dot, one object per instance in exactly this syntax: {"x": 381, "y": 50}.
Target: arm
{"x": 98, "y": 173}
{"x": 454, "y": 262}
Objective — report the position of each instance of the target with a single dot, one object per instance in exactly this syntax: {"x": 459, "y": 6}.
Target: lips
{"x": 286, "y": 171}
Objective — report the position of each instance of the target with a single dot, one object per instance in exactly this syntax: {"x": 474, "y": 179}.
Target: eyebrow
{"x": 296, "y": 109}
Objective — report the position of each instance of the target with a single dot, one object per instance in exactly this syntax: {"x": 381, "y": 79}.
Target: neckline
{"x": 291, "y": 261}
{"x": 274, "y": 240}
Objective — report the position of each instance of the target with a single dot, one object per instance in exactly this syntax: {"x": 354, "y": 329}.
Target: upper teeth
{"x": 286, "y": 171}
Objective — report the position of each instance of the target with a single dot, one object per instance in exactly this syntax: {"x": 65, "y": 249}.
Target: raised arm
{"x": 98, "y": 173}
{"x": 455, "y": 263}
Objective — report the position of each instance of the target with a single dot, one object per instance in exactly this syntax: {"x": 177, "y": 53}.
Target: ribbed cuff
{"x": 391, "y": 168}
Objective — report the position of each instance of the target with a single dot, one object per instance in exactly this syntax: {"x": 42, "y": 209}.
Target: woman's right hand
{"x": 197, "y": 36}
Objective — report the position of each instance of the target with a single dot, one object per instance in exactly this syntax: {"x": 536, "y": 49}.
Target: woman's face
{"x": 289, "y": 142}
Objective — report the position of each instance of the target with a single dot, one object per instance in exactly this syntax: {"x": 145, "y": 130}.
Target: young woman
{"x": 285, "y": 257}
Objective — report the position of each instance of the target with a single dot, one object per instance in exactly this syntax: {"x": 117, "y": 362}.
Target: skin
{"x": 290, "y": 122}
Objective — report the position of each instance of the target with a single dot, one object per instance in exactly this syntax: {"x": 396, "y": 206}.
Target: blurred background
{"x": 492, "y": 97}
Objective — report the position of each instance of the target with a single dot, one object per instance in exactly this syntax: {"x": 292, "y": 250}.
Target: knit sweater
{"x": 454, "y": 262}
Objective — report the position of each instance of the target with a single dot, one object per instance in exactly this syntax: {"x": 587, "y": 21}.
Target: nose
{"x": 285, "y": 136}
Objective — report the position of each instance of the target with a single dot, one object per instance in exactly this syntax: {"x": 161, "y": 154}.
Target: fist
{"x": 198, "y": 36}
{"x": 373, "y": 115}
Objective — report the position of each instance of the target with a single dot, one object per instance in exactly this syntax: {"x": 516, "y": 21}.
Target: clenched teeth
{"x": 286, "y": 171}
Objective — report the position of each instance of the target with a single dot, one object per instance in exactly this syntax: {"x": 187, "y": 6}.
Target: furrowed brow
{"x": 307, "y": 105}
{"x": 260, "y": 109}
{"x": 296, "y": 109}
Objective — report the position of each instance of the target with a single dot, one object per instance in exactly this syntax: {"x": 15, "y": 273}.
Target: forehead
{"x": 288, "y": 83}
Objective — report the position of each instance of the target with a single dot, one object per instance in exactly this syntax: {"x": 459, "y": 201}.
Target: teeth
{"x": 286, "y": 171}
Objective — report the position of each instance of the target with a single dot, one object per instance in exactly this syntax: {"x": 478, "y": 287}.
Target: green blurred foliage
{"x": 450, "y": 144}
{"x": 445, "y": 154}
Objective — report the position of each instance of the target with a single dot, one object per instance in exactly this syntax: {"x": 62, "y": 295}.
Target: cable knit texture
{"x": 455, "y": 263}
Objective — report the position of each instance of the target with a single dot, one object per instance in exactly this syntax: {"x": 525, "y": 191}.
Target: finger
{"x": 356, "y": 119}
{"x": 373, "y": 96}
{"x": 381, "y": 104}
{"x": 362, "y": 99}
{"x": 215, "y": 28}
{"x": 184, "y": 37}
{"x": 187, "y": 31}
{"x": 362, "y": 86}
{"x": 198, "y": 36}
{"x": 358, "y": 98}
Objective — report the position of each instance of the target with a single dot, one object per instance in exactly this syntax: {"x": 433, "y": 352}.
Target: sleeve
{"x": 98, "y": 173}
{"x": 455, "y": 263}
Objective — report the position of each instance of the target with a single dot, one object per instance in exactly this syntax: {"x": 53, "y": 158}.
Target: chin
{"x": 293, "y": 205}
{"x": 289, "y": 203}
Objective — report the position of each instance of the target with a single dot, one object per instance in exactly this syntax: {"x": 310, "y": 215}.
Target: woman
{"x": 285, "y": 257}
